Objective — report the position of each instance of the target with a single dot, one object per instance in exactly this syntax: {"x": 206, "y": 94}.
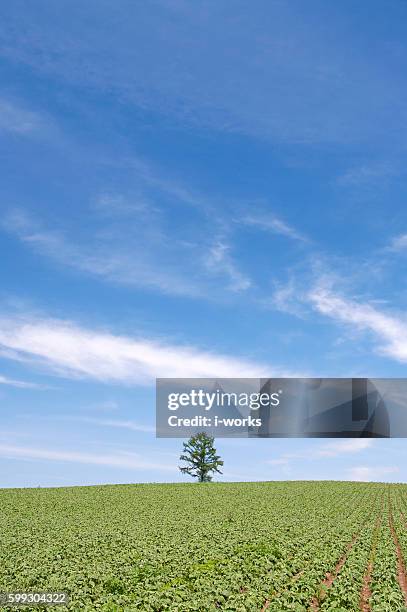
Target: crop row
{"x": 330, "y": 550}
{"x": 345, "y": 592}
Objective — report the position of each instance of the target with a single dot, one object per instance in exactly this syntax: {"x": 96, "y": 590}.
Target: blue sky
{"x": 189, "y": 190}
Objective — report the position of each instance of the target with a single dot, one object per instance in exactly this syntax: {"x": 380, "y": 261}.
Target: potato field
{"x": 206, "y": 547}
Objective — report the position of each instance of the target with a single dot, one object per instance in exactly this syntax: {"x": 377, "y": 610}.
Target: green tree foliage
{"x": 200, "y": 455}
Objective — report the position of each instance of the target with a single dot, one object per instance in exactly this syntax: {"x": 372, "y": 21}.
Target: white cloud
{"x": 390, "y": 330}
{"x": 399, "y": 243}
{"x": 73, "y": 351}
{"x": 287, "y": 298}
{"x": 136, "y": 264}
{"x": 273, "y": 224}
{"x": 125, "y": 460}
{"x": 21, "y": 384}
{"x": 219, "y": 261}
{"x": 369, "y": 473}
{"x": 116, "y": 204}
{"x": 330, "y": 449}
{"x": 174, "y": 189}
{"x": 372, "y": 174}
{"x": 157, "y": 260}
{"x": 344, "y": 447}
{"x": 18, "y": 120}
{"x": 280, "y": 461}
{"x": 121, "y": 424}
{"x": 106, "y": 406}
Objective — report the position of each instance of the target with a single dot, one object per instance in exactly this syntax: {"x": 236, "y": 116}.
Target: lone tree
{"x": 200, "y": 453}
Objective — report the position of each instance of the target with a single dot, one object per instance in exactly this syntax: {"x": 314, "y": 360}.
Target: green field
{"x": 244, "y": 546}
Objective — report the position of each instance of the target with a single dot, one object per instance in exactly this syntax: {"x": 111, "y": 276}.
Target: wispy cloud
{"x": 70, "y": 350}
{"x": 368, "y": 174}
{"x": 158, "y": 260}
{"x": 114, "y": 204}
{"x": 120, "y": 459}
{"x": 270, "y": 223}
{"x": 287, "y": 297}
{"x": 20, "y": 384}
{"x": 328, "y": 450}
{"x": 173, "y": 189}
{"x": 218, "y": 260}
{"x": 344, "y": 447}
{"x": 371, "y": 473}
{"x": 120, "y": 424}
{"x": 14, "y": 118}
{"x": 284, "y": 460}
{"x": 105, "y": 406}
{"x": 146, "y": 263}
{"x": 398, "y": 243}
{"x": 391, "y": 331}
